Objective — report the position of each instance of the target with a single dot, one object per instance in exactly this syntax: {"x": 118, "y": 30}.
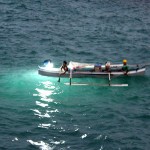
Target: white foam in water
{"x": 46, "y": 126}
{"x": 58, "y": 142}
{"x": 98, "y": 137}
{"x": 84, "y": 136}
{"x": 42, "y": 145}
{"x": 52, "y": 111}
{"x": 15, "y": 139}
{"x": 53, "y": 121}
{"x": 76, "y": 129}
{"x": 101, "y": 148}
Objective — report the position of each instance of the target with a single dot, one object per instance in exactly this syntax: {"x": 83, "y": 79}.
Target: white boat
{"x": 78, "y": 70}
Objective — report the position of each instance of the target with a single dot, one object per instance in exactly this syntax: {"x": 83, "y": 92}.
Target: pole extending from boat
{"x": 70, "y": 75}
{"x": 96, "y": 84}
{"x": 59, "y": 79}
{"x": 109, "y": 78}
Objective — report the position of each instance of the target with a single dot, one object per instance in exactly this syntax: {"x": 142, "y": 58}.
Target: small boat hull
{"x": 55, "y": 72}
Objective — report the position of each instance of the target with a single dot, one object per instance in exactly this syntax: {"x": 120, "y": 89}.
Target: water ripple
{"x": 38, "y": 113}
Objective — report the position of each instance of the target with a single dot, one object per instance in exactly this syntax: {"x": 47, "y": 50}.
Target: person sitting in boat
{"x": 97, "y": 67}
{"x": 107, "y": 66}
{"x": 125, "y": 68}
{"x": 64, "y": 67}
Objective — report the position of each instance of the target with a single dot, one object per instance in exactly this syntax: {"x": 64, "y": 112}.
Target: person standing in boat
{"x": 125, "y": 68}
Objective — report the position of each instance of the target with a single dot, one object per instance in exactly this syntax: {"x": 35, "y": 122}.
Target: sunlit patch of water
{"x": 41, "y": 104}
{"x": 44, "y": 92}
{"x": 45, "y": 109}
{"x": 40, "y": 114}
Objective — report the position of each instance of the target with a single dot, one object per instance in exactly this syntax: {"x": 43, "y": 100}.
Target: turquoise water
{"x": 37, "y": 112}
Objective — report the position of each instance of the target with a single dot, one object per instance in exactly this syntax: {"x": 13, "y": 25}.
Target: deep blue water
{"x": 37, "y": 112}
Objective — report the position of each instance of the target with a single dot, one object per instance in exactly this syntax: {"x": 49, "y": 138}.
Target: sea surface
{"x": 37, "y": 112}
